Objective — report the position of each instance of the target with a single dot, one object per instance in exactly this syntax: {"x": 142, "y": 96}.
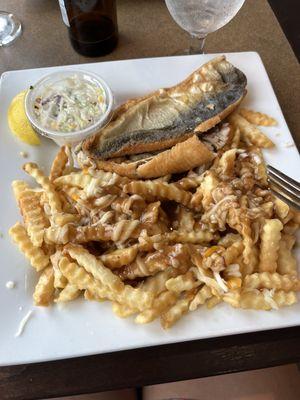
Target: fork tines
{"x": 284, "y": 187}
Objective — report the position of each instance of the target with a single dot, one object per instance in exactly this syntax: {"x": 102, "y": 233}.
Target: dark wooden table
{"x": 151, "y": 365}
{"x": 184, "y": 360}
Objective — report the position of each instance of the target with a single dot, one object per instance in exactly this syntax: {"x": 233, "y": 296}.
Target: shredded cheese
{"x": 23, "y": 324}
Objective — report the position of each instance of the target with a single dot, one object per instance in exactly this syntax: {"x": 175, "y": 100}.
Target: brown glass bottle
{"x": 93, "y": 29}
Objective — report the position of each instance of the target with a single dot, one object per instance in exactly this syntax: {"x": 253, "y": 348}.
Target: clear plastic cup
{"x": 72, "y": 138}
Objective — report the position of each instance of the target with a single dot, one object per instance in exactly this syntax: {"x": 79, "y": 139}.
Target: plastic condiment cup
{"x": 63, "y": 138}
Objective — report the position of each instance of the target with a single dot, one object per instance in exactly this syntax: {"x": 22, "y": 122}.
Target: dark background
{"x": 288, "y": 15}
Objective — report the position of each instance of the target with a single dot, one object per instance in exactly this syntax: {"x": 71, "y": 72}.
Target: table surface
{"x": 147, "y": 30}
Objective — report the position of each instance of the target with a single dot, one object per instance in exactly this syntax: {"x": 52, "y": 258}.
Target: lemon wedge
{"x": 18, "y": 122}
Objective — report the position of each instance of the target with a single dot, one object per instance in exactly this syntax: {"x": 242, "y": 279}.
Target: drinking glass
{"x": 201, "y": 17}
{"x": 10, "y": 28}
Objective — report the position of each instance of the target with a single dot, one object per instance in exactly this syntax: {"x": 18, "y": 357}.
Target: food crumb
{"x": 1, "y": 235}
{"x": 10, "y": 285}
{"x": 24, "y": 154}
{"x": 278, "y": 134}
{"x": 210, "y": 106}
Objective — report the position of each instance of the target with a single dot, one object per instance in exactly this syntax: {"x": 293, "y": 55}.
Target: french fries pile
{"x": 161, "y": 248}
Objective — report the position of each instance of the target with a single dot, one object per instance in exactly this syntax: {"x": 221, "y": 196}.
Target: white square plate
{"x": 82, "y": 328}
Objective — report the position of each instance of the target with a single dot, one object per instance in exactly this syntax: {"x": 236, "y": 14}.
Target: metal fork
{"x": 284, "y": 187}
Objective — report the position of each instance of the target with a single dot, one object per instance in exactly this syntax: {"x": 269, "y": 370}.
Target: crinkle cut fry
{"x": 146, "y": 237}
{"x": 96, "y": 180}
{"x": 241, "y": 224}
{"x": 59, "y": 163}
{"x": 258, "y": 300}
{"x": 75, "y": 179}
{"x": 157, "y": 284}
{"x": 19, "y": 187}
{"x": 53, "y": 197}
{"x": 208, "y": 184}
{"x": 95, "y": 267}
{"x": 151, "y": 213}
{"x": 232, "y": 252}
{"x": 180, "y": 237}
{"x": 235, "y": 143}
{"x": 182, "y": 282}
{"x": 180, "y": 308}
{"x": 105, "y": 178}
{"x": 124, "y": 230}
{"x": 120, "y": 257}
{"x": 119, "y": 232}
{"x": 189, "y": 182}
{"x": 185, "y": 219}
{"x": 163, "y": 302}
{"x": 286, "y": 263}
{"x": 105, "y": 201}
{"x": 230, "y": 239}
{"x": 271, "y": 281}
{"x": 124, "y": 293}
{"x": 257, "y": 118}
{"x": 122, "y": 310}
{"x": 38, "y": 259}
{"x": 78, "y": 276}
{"x": 68, "y": 293}
{"x": 281, "y": 208}
{"x": 270, "y": 242}
{"x": 60, "y": 281}
{"x": 203, "y": 294}
{"x": 212, "y": 302}
{"x": 250, "y": 133}
{"x": 260, "y": 169}
{"x": 159, "y": 190}
{"x": 33, "y": 215}
{"x": 207, "y": 277}
{"x": 226, "y": 163}
{"x": 44, "y": 290}
{"x": 57, "y": 234}
{"x": 76, "y": 195}
{"x": 129, "y": 205}
{"x": 65, "y": 218}
{"x": 144, "y": 267}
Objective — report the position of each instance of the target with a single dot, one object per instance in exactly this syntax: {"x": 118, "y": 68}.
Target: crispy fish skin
{"x": 181, "y": 157}
{"x": 168, "y": 116}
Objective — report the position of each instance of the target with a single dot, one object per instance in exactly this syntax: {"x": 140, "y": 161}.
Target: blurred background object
{"x": 10, "y": 28}
{"x": 93, "y": 28}
{"x": 63, "y": 12}
{"x": 287, "y": 13}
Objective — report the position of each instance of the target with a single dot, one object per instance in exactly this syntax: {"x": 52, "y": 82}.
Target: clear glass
{"x": 201, "y": 17}
{"x": 10, "y": 28}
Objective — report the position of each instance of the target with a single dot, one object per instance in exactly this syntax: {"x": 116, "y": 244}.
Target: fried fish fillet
{"x": 169, "y": 116}
{"x": 181, "y": 157}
